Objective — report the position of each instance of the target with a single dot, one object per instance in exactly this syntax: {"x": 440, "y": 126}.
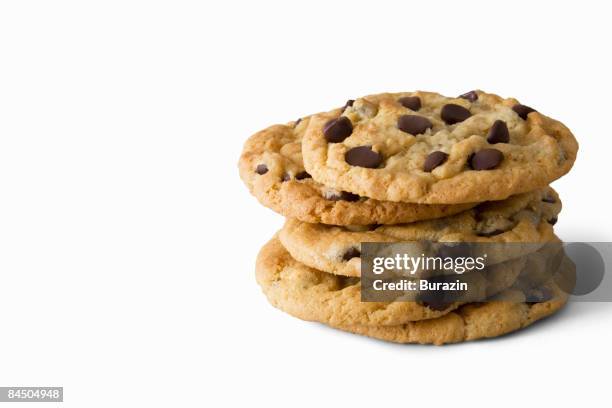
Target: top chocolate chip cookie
{"x": 272, "y": 168}
{"x": 422, "y": 147}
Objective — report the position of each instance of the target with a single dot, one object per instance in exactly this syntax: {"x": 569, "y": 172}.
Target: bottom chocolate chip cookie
{"x": 310, "y": 294}
{"x": 512, "y": 311}
{"x": 470, "y": 322}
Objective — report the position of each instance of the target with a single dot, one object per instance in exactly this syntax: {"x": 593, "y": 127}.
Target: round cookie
{"x": 469, "y": 322}
{"x": 524, "y": 218}
{"x": 474, "y": 320}
{"x": 271, "y": 166}
{"x": 313, "y": 295}
{"x": 422, "y": 147}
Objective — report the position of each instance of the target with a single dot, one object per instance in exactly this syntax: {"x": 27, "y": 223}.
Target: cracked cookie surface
{"x": 272, "y": 168}
{"x": 525, "y": 218}
{"x": 422, "y": 147}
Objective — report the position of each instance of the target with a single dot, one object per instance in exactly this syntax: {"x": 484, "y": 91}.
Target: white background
{"x": 128, "y": 242}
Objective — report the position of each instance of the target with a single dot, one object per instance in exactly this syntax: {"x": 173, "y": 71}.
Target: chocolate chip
{"x": 363, "y": 156}
{"x": 336, "y": 130}
{"x": 540, "y": 295}
{"x": 372, "y": 227}
{"x": 344, "y": 196}
{"x": 438, "y": 299}
{"x": 346, "y": 281}
{"x": 297, "y": 122}
{"x": 549, "y": 200}
{"x": 348, "y": 103}
{"x": 434, "y": 160}
{"x": 413, "y": 124}
{"x": 490, "y": 233}
{"x": 498, "y": 133}
{"x": 435, "y": 304}
{"x": 479, "y": 209}
{"x": 302, "y": 175}
{"x": 453, "y": 113}
{"x": 411, "y": 102}
{"x": 261, "y": 169}
{"x": 350, "y": 254}
{"x": 553, "y": 221}
{"x": 299, "y": 176}
{"x": 522, "y": 110}
{"x": 470, "y": 96}
{"x": 486, "y": 159}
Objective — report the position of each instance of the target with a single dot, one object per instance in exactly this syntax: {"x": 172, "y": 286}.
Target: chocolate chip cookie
{"x": 271, "y": 166}
{"x": 313, "y": 295}
{"x": 524, "y": 218}
{"x": 508, "y": 311}
{"x": 422, "y": 147}
{"x": 469, "y": 322}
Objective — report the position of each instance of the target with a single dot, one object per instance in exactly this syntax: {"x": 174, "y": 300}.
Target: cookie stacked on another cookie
{"x": 422, "y": 147}
{"x": 272, "y": 167}
{"x": 408, "y": 167}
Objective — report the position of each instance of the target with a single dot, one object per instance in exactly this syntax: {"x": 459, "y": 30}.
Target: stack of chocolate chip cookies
{"x": 408, "y": 167}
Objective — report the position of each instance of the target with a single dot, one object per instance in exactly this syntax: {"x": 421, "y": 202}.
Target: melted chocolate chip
{"x": 498, "y": 133}
{"x": 522, "y": 110}
{"x": 297, "y": 122}
{"x": 490, "y": 233}
{"x": 538, "y": 295}
{"x": 336, "y": 130}
{"x": 413, "y": 124}
{"x": 486, "y": 159}
{"x": 553, "y": 221}
{"x": 261, "y": 169}
{"x": 302, "y": 175}
{"x": 478, "y": 210}
{"x": 411, "y": 102}
{"x": 346, "y": 281}
{"x": 350, "y": 254}
{"x": 344, "y": 196}
{"x": 549, "y": 200}
{"x": 363, "y": 156}
{"x": 434, "y": 160}
{"x": 453, "y": 113}
{"x": 285, "y": 177}
{"x": 438, "y": 299}
{"x": 435, "y": 304}
{"x": 348, "y": 103}
{"x": 470, "y": 96}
